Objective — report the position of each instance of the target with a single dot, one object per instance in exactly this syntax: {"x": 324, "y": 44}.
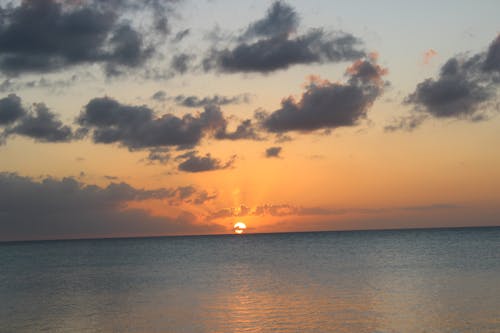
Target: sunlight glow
{"x": 239, "y": 227}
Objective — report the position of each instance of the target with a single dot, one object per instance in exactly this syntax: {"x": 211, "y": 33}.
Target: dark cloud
{"x": 190, "y": 194}
{"x": 137, "y": 126}
{"x": 244, "y": 131}
{"x": 160, "y": 96}
{"x": 273, "y": 152}
{"x": 267, "y": 55}
{"x": 48, "y": 35}
{"x": 242, "y": 210}
{"x": 10, "y": 109}
{"x": 181, "y": 35}
{"x": 180, "y": 62}
{"x": 127, "y": 50}
{"x": 57, "y": 85}
{"x": 69, "y": 209}
{"x": 38, "y": 123}
{"x": 492, "y": 61}
{"x": 326, "y": 105}
{"x": 408, "y": 123}
{"x": 281, "y": 20}
{"x": 203, "y": 197}
{"x": 192, "y": 162}
{"x": 268, "y": 45}
{"x": 466, "y": 88}
{"x": 159, "y": 155}
{"x": 278, "y": 210}
{"x": 196, "y": 102}
{"x": 458, "y": 92}
{"x": 42, "y": 125}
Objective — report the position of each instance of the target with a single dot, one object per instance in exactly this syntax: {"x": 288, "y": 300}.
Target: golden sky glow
{"x": 316, "y": 160}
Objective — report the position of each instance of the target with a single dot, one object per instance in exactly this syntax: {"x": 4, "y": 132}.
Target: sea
{"x": 433, "y": 280}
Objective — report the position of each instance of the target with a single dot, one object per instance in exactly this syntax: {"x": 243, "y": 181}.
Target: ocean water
{"x": 442, "y": 280}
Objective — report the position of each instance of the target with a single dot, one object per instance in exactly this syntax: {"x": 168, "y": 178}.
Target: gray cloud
{"x": 203, "y": 197}
{"x": 326, "y": 105}
{"x": 278, "y": 210}
{"x": 9, "y": 85}
{"x": 181, "y": 35}
{"x": 42, "y": 125}
{"x": 11, "y": 109}
{"x": 273, "y": 152}
{"x": 192, "y": 162}
{"x": 159, "y": 155}
{"x": 466, "y": 88}
{"x": 69, "y": 209}
{"x": 244, "y": 131}
{"x": 48, "y": 35}
{"x": 458, "y": 92}
{"x": 196, "y": 102}
{"x": 408, "y": 123}
{"x": 180, "y": 62}
{"x": 268, "y": 45}
{"x": 492, "y": 61}
{"x": 38, "y": 123}
{"x": 137, "y": 127}
{"x": 160, "y": 96}
{"x": 276, "y": 53}
{"x": 281, "y": 20}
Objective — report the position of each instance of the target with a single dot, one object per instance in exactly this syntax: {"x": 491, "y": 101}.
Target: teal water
{"x": 442, "y": 280}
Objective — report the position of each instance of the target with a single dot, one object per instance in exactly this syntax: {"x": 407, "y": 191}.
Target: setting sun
{"x": 239, "y": 227}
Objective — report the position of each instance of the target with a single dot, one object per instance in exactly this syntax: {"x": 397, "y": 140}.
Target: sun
{"x": 239, "y": 227}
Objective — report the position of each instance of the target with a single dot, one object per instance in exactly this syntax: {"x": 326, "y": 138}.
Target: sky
{"x": 125, "y": 118}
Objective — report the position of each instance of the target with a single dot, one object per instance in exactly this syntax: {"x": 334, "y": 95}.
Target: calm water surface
{"x": 373, "y": 281}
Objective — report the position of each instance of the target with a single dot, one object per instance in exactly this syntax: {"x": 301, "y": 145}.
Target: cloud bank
{"x": 66, "y": 208}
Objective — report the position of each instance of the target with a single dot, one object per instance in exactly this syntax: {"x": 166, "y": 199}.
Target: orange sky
{"x": 338, "y": 167}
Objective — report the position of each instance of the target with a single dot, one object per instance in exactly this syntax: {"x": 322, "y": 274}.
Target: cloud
{"x": 49, "y": 35}
{"x": 281, "y": 20}
{"x": 326, "y": 105}
{"x": 269, "y": 44}
{"x": 160, "y": 155}
{"x": 272, "y": 54}
{"x": 180, "y": 62}
{"x": 492, "y": 61}
{"x": 244, "y": 131}
{"x": 203, "y": 197}
{"x": 41, "y": 125}
{"x": 54, "y": 86}
{"x": 160, "y": 96}
{"x": 273, "y": 152}
{"x": 137, "y": 127}
{"x": 196, "y": 102}
{"x": 428, "y": 55}
{"x": 280, "y": 210}
{"x": 191, "y": 162}
{"x": 38, "y": 123}
{"x": 66, "y": 208}
{"x": 10, "y": 109}
{"x": 466, "y": 88}
{"x": 181, "y": 35}
{"x": 407, "y": 123}
{"x": 458, "y": 92}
